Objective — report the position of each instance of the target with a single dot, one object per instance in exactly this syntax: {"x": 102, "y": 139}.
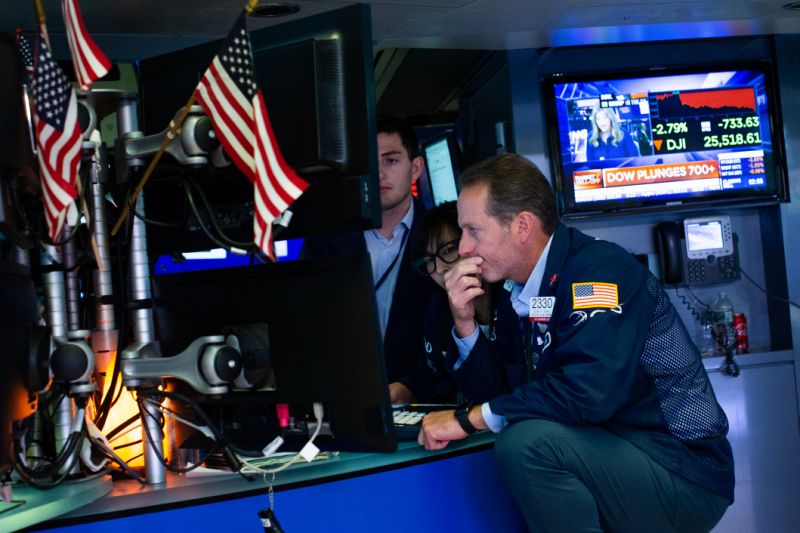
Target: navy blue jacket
{"x": 411, "y": 293}
{"x": 432, "y": 380}
{"x": 631, "y": 368}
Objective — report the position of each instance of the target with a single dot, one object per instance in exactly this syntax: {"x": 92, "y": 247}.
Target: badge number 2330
{"x": 541, "y": 308}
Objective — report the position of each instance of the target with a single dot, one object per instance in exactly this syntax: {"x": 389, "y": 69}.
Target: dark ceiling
{"x": 425, "y": 50}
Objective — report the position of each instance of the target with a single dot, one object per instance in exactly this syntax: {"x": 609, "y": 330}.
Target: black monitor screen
{"x": 318, "y": 85}
{"x": 442, "y": 166}
{"x": 665, "y": 138}
{"x": 324, "y": 342}
{"x": 18, "y": 314}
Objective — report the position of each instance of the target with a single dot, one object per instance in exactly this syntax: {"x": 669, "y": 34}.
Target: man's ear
{"x": 526, "y": 225}
{"x": 417, "y": 164}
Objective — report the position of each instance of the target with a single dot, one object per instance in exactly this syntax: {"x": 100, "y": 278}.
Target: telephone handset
{"x": 668, "y": 246}
{"x": 708, "y": 253}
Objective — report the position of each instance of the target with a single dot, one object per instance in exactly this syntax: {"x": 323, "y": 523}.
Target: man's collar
{"x": 408, "y": 219}
{"x": 521, "y": 294}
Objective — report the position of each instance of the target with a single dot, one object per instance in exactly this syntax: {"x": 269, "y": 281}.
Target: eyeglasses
{"x": 447, "y": 253}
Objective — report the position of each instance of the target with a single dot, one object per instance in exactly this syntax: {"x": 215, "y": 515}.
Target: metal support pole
{"x": 144, "y": 332}
{"x": 72, "y": 284}
{"x": 139, "y": 275}
{"x": 56, "y": 309}
{"x": 21, "y": 256}
{"x": 104, "y": 337}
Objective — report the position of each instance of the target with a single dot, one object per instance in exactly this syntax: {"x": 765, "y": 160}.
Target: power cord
{"x": 689, "y": 305}
{"x": 309, "y": 450}
{"x": 48, "y": 477}
{"x": 227, "y": 449}
{"x": 762, "y": 289}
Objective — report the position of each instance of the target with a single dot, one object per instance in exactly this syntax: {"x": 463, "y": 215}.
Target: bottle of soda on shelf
{"x": 724, "y": 334}
{"x": 740, "y": 333}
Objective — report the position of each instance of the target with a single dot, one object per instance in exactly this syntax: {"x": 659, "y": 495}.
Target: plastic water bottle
{"x": 707, "y": 345}
{"x": 722, "y": 310}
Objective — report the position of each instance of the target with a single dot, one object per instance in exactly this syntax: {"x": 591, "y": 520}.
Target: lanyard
{"x": 385, "y": 274}
{"x": 530, "y": 354}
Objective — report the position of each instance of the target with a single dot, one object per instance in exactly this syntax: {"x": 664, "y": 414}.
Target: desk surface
{"x": 39, "y": 505}
{"x": 181, "y": 490}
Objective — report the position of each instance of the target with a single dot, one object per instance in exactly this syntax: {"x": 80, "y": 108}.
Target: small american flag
{"x": 26, "y": 53}
{"x": 273, "y": 195}
{"x": 594, "y": 295}
{"x": 229, "y": 94}
{"x": 90, "y": 62}
{"x": 58, "y": 138}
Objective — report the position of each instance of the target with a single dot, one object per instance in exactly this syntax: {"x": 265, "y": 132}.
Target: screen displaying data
{"x": 441, "y": 173}
{"x": 664, "y": 139}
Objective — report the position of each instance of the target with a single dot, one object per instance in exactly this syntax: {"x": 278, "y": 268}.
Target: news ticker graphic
{"x": 730, "y": 171}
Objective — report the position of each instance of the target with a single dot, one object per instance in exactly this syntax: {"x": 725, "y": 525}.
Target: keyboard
{"x": 408, "y": 418}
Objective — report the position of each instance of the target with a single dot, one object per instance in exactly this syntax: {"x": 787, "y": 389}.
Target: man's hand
{"x": 399, "y": 393}
{"x": 463, "y": 285}
{"x": 440, "y": 427}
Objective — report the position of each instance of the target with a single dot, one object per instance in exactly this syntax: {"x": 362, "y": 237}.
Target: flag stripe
{"x": 291, "y": 182}
{"x": 90, "y": 62}
{"x": 230, "y": 140}
{"x": 286, "y": 185}
{"x": 230, "y": 114}
{"x": 236, "y": 121}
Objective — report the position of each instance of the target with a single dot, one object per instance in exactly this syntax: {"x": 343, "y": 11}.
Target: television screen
{"x": 442, "y": 167}
{"x": 661, "y": 138}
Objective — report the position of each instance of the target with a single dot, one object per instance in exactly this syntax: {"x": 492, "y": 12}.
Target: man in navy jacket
{"x": 401, "y": 293}
{"x": 617, "y": 427}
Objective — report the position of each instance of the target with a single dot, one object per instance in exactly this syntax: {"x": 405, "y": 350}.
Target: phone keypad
{"x": 729, "y": 267}
{"x": 712, "y": 269}
{"x": 696, "y": 271}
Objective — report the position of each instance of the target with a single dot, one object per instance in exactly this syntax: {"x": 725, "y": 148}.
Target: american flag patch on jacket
{"x": 594, "y": 295}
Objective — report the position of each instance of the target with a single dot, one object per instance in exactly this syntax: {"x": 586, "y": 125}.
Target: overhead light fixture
{"x": 275, "y": 9}
{"x": 792, "y": 6}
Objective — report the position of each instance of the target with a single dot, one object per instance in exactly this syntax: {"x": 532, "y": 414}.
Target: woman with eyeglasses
{"x": 436, "y": 252}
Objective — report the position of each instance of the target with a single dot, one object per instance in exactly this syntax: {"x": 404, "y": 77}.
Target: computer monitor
{"x": 324, "y": 345}
{"x": 16, "y": 156}
{"x": 317, "y": 79}
{"x": 18, "y": 315}
{"x": 442, "y": 166}
{"x": 18, "y": 305}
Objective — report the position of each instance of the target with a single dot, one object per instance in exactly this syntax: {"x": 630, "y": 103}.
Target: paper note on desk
{"x": 8, "y": 506}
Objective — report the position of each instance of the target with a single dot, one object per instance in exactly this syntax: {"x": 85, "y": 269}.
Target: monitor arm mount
{"x": 209, "y": 364}
{"x": 192, "y": 145}
{"x": 72, "y": 362}
{"x": 240, "y": 358}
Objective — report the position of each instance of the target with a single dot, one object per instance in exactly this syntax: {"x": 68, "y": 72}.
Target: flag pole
{"x": 40, "y": 17}
{"x": 174, "y": 128}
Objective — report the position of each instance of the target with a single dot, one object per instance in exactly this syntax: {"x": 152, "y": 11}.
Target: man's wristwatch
{"x": 462, "y": 417}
